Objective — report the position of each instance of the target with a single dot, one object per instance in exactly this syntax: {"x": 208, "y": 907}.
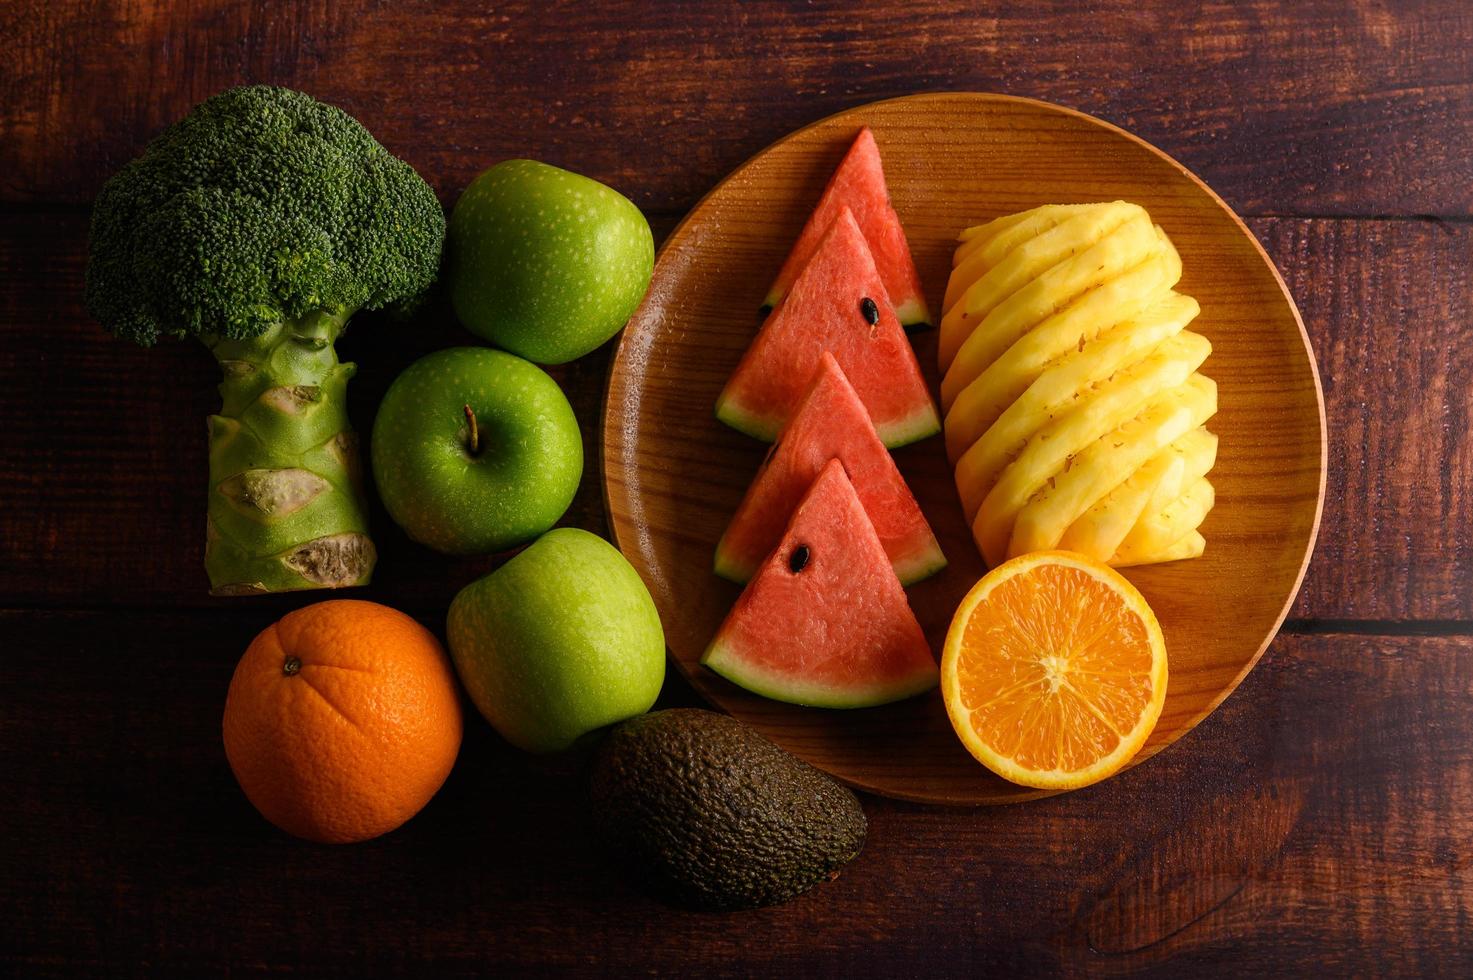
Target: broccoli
{"x": 260, "y": 223}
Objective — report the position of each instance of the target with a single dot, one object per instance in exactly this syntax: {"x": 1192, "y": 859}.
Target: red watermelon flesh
{"x": 825, "y": 622}
{"x": 859, "y": 184}
{"x": 831, "y": 423}
{"x": 830, "y": 308}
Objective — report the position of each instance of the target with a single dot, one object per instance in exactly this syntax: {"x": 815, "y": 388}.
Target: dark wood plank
{"x": 1282, "y": 105}
{"x": 1389, "y": 312}
{"x": 1318, "y": 820}
{"x": 109, "y": 502}
{"x": 1316, "y": 823}
{"x": 110, "y": 495}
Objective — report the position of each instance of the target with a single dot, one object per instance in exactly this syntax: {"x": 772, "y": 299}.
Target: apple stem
{"x": 474, "y": 439}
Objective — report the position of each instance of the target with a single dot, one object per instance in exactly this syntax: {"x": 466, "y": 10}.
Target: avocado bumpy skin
{"x": 259, "y": 224}
{"x": 716, "y": 817}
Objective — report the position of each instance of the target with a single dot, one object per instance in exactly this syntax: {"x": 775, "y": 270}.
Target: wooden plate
{"x": 673, "y": 475}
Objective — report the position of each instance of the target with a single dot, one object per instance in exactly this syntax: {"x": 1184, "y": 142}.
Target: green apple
{"x": 558, "y": 642}
{"x": 475, "y": 451}
{"x": 544, "y": 262}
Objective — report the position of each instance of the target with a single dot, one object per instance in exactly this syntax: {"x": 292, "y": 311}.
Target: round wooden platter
{"x": 673, "y": 474}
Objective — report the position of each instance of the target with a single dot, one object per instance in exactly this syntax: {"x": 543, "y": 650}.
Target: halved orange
{"x": 1054, "y": 670}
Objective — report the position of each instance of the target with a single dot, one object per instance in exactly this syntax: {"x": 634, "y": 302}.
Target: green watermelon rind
{"x": 728, "y": 569}
{"x": 757, "y": 426}
{"x": 913, "y": 314}
{"x": 807, "y": 694}
{"x": 921, "y": 566}
{"x": 911, "y": 307}
{"x": 923, "y": 423}
{"x": 910, "y": 569}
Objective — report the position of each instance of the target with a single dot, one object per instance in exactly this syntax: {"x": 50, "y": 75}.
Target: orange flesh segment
{"x": 1056, "y": 675}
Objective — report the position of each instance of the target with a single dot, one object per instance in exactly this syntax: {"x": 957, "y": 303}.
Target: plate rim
{"x": 606, "y": 427}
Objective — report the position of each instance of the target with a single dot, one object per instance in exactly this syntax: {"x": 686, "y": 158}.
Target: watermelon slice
{"x": 859, "y": 184}
{"x": 825, "y": 622}
{"x": 831, "y": 423}
{"x": 838, "y": 304}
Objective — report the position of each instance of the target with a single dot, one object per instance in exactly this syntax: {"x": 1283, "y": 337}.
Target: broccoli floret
{"x": 261, "y": 206}
{"x": 260, "y": 223}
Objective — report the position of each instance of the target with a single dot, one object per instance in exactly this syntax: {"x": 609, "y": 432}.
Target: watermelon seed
{"x": 870, "y": 310}
{"x": 798, "y": 560}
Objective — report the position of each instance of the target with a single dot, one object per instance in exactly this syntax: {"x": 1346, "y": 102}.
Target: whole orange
{"x": 342, "y": 720}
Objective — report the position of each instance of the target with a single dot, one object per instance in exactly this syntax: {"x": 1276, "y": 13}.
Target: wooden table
{"x": 1321, "y": 820}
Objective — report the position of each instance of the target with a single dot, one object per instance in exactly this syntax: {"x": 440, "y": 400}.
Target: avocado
{"x": 714, "y": 816}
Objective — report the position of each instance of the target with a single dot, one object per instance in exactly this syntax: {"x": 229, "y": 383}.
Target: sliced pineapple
{"x": 1159, "y": 531}
{"x": 1100, "y": 468}
{"x": 1068, "y": 284}
{"x": 1073, "y": 423}
{"x": 1054, "y": 449}
{"x": 977, "y": 285}
{"x": 1020, "y": 226}
{"x": 1099, "y": 530}
{"x": 1125, "y": 297}
{"x": 1191, "y": 546}
{"x": 1061, "y": 381}
{"x": 1074, "y": 413}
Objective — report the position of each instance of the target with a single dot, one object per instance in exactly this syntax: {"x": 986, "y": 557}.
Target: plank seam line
{"x": 1378, "y": 627}
{"x": 1436, "y": 219}
{"x": 433, "y": 612}
{"x": 79, "y": 208}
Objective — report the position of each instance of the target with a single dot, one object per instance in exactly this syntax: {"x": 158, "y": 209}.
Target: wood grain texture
{"x": 1294, "y": 830}
{"x": 116, "y": 458}
{"x": 673, "y": 474}
{"x": 1281, "y": 105}
{"x": 1317, "y": 823}
{"x": 1393, "y": 349}
{"x": 113, "y": 438}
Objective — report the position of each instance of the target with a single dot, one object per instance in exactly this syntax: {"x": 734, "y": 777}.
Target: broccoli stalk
{"x": 286, "y": 507}
{"x": 259, "y": 224}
